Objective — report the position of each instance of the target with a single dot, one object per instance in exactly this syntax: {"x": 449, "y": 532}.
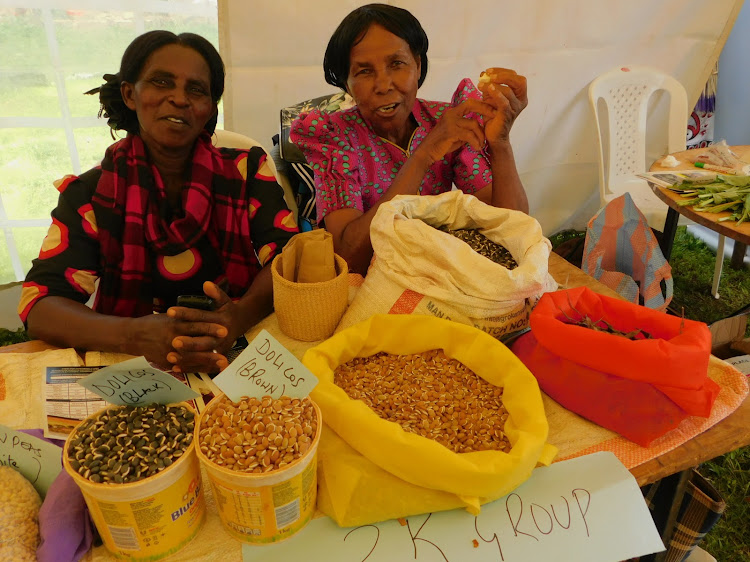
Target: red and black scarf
{"x": 130, "y": 203}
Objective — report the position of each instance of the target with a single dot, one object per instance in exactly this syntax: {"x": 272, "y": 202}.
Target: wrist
{"x": 129, "y": 339}
{"x": 500, "y": 149}
{"x": 247, "y": 313}
{"x": 421, "y": 159}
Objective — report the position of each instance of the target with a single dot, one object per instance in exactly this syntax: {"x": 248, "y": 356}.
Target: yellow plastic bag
{"x": 372, "y": 470}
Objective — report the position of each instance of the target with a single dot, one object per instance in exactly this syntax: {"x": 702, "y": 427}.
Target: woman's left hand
{"x": 192, "y": 350}
{"x": 506, "y": 92}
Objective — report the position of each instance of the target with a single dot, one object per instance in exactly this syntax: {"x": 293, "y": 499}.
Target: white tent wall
{"x": 274, "y": 55}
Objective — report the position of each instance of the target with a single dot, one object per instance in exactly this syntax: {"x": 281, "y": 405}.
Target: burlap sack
{"x": 419, "y": 269}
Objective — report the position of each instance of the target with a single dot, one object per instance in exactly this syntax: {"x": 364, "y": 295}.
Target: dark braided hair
{"x": 119, "y": 116}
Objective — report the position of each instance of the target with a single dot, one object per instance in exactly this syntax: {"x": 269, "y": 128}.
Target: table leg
{"x": 719, "y": 265}
{"x": 669, "y": 526}
{"x": 738, "y": 255}
{"x": 670, "y": 229}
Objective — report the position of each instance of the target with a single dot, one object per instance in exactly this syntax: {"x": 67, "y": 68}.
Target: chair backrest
{"x": 230, "y": 139}
{"x": 626, "y": 92}
{"x": 299, "y": 172}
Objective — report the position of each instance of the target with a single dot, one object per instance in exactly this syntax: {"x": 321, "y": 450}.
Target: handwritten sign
{"x": 40, "y": 462}
{"x": 585, "y": 509}
{"x": 136, "y": 383}
{"x": 266, "y": 368}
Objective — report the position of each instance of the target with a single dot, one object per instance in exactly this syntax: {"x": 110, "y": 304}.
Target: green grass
{"x": 729, "y": 540}
{"x": 693, "y": 269}
{"x": 9, "y": 337}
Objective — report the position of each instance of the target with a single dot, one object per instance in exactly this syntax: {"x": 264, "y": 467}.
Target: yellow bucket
{"x": 151, "y": 518}
{"x": 264, "y": 508}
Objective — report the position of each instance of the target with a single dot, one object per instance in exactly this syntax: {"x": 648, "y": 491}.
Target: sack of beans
{"x": 634, "y": 370}
{"x": 421, "y": 415}
{"x": 454, "y": 257}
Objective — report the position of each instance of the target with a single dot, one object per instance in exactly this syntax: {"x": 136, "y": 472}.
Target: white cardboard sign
{"x": 266, "y": 368}
{"x": 587, "y": 509}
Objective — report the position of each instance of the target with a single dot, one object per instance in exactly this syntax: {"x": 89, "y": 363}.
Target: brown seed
{"x": 429, "y": 394}
{"x": 258, "y": 435}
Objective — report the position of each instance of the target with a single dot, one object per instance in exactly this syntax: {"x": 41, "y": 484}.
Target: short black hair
{"x": 352, "y": 28}
{"x": 120, "y": 116}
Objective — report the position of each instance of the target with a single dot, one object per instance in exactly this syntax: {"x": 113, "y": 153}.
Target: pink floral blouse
{"x": 353, "y": 166}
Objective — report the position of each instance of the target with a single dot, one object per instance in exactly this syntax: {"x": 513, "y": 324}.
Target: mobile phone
{"x": 201, "y": 302}
{"x": 237, "y": 348}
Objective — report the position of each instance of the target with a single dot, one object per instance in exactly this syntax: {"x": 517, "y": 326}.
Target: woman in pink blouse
{"x": 393, "y": 143}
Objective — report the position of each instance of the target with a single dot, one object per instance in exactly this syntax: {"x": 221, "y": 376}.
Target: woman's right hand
{"x": 455, "y": 129}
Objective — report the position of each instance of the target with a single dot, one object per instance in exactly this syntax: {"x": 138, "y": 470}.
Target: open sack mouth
{"x": 176, "y": 120}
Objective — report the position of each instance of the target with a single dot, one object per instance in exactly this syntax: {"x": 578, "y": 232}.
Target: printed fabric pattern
{"x": 353, "y": 166}
{"x": 114, "y": 224}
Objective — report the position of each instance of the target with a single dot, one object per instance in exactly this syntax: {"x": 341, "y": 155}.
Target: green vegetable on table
{"x": 726, "y": 193}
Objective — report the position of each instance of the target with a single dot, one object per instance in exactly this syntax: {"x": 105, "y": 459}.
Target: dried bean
{"x": 122, "y": 444}
{"x": 261, "y": 440}
{"x": 484, "y": 246}
{"x": 431, "y": 395}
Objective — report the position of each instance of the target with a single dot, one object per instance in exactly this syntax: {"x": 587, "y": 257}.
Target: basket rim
{"x": 341, "y": 265}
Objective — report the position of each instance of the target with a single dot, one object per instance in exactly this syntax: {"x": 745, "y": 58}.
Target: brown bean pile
{"x": 257, "y": 434}
{"x": 126, "y": 444}
{"x": 484, "y": 246}
{"x": 431, "y": 395}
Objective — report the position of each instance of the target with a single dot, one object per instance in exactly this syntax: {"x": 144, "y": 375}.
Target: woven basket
{"x": 310, "y": 311}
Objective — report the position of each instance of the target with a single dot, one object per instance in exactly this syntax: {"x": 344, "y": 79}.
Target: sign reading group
{"x": 585, "y": 509}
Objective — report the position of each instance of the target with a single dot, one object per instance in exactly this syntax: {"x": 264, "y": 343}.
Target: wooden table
{"x": 730, "y": 229}
{"x": 728, "y": 435}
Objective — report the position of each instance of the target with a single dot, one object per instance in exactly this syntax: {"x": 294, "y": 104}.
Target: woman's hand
{"x": 203, "y": 336}
{"x": 152, "y": 336}
{"x": 455, "y": 129}
{"x": 506, "y": 93}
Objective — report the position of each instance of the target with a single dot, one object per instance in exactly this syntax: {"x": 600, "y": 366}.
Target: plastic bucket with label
{"x": 268, "y": 507}
{"x": 151, "y": 518}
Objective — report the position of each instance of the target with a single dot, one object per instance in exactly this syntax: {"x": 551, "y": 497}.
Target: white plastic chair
{"x": 626, "y": 92}
{"x": 230, "y": 139}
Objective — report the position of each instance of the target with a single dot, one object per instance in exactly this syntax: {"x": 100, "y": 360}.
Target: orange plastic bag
{"x": 371, "y": 469}
{"x": 639, "y": 388}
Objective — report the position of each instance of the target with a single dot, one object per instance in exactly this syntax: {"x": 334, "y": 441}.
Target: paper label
{"x": 136, "y": 383}
{"x": 40, "y": 462}
{"x": 266, "y": 368}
